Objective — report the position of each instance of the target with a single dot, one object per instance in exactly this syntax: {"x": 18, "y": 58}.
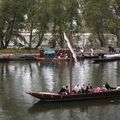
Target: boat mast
{"x": 70, "y": 46}
{"x": 70, "y": 73}
{"x": 69, "y": 40}
{"x": 72, "y": 53}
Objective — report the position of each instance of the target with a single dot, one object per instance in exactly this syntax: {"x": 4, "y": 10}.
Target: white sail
{"x": 70, "y": 47}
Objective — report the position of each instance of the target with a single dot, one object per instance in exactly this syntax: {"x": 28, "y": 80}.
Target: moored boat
{"x": 54, "y": 56}
{"x": 107, "y": 58}
{"x": 51, "y": 97}
{"x": 112, "y": 55}
{"x": 99, "y": 60}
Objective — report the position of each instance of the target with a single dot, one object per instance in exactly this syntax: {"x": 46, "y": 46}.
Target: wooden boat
{"x": 82, "y": 57}
{"x": 99, "y": 60}
{"x": 52, "y": 97}
{"x": 52, "y": 56}
{"x": 107, "y": 58}
{"x": 90, "y": 57}
{"x": 4, "y": 59}
{"x": 112, "y": 55}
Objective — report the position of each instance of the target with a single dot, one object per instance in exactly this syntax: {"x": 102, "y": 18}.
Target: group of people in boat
{"x": 82, "y": 52}
{"x": 111, "y": 49}
{"x": 65, "y": 55}
{"x": 85, "y": 89}
{"x": 82, "y": 89}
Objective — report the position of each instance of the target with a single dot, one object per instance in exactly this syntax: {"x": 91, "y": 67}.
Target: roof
{"x": 49, "y": 51}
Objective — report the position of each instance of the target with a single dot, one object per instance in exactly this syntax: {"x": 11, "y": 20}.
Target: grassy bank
{"x": 15, "y": 51}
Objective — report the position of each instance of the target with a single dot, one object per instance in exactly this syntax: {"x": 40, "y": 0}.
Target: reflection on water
{"x": 18, "y": 77}
{"x": 82, "y": 106}
{"x": 76, "y": 110}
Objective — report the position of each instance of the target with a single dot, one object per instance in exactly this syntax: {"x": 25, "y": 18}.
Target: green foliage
{"x": 56, "y": 16}
{"x": 11, "y": 14}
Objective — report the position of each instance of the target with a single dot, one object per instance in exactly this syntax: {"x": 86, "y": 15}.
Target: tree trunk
{"x": 101, "y": 39}
{"x": 41, "y": 35}
{"x": 118, "y": 37}
{"x": 9, "y": 32}
{"x": 31, "y": 35}
{"x": 54, "y": 35}
{"x": 100, "y": 32}
{"x": 1, "y": 40}
{"x": 61, "y": 42}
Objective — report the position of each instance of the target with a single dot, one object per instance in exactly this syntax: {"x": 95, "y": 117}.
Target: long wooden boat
{"x": 90, "y": 57}
{"x": 106, "y": 57}
{"x": 43, "y": 59}
{"x": 110, "y": 59}
{"x": 4, "y": 59}
{"x": 87, "y": 57}
{"x": 50, "y": 97}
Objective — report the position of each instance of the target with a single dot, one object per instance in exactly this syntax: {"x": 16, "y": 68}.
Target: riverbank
{"x": 23, "y": 53}
{"x": 17, "y": 51}
{"x": 18, "y": 54}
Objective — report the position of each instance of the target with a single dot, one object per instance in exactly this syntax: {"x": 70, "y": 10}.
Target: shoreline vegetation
{"x": 6, "y": 53}
{"x": 15, "y": 51}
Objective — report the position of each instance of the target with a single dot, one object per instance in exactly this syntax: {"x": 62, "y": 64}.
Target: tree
{"x": 114, "y": 20}
{"x": 43, "y": 18}
{"x": 57, "y": 22}
{"x": 95, "y": 14}
{"x": 11, "y": 16}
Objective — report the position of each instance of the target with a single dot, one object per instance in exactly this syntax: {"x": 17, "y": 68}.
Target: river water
{"x": 18, "y": 77}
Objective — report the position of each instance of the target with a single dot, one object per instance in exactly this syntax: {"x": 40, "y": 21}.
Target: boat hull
{"x": 74, "y": 97}
{"x": 106, "y": 60}
{"x": 87, "y": 57}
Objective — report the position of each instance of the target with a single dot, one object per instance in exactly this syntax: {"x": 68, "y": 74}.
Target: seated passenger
{"x": 108, "y": 87}
{"x": 66, "y": 56}
{"x": 81, "y": 52}
{"x": 67, "y": 90}
{"x": 98, "y": 89}
{"x": 89, "y": 88}
{"x": 63, "y": 91}
{"x": 77, "y": 88}
{"x": 104, "y": 88}
{"x": 92, "y": 52}
{"x": 83, "y": 89}
{"x": 118, "y": 88}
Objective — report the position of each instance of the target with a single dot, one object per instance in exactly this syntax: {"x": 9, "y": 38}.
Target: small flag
{"x": 74, "y": 23}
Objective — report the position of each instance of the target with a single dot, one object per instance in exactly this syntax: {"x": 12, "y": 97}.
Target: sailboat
{"x": 56, "y": 97}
